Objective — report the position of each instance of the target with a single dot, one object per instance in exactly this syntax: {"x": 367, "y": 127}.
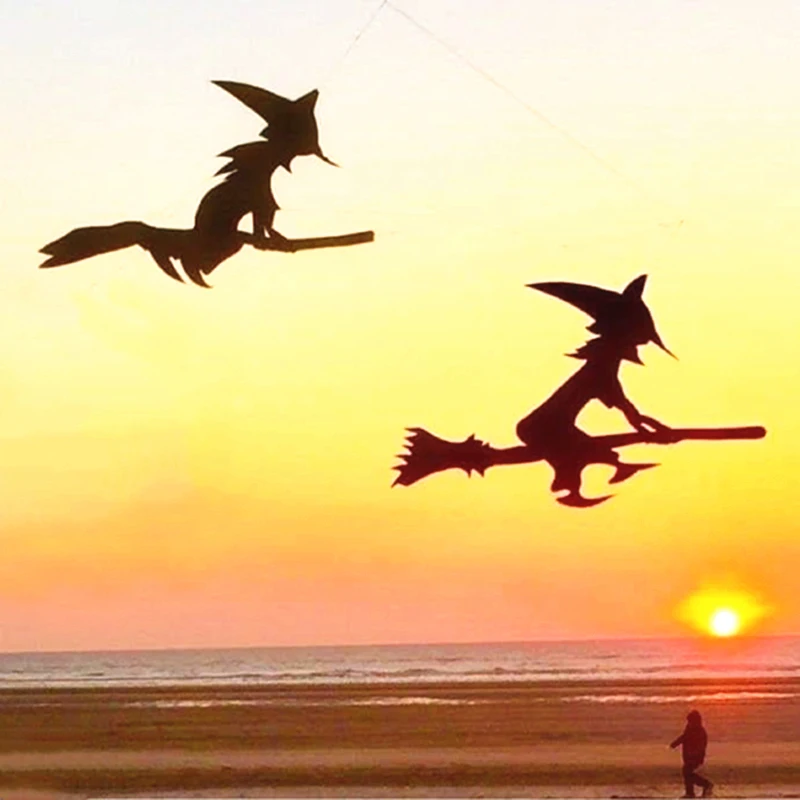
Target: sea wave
{"x": 679, "y": 698}
{"x": 540, "y": 662}
{"x": 225, "y": 702}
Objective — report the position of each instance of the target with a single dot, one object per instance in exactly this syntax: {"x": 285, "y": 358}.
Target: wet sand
{"x": 456, "y": 740}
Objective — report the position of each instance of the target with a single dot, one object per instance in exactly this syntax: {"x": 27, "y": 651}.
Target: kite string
{"x": 354, "y": 41}
{"x": 491, "y": 79}
{"x": 487, "y": 76}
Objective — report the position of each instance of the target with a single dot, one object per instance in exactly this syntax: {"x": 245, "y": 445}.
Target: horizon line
{"x": 373, "y": 645}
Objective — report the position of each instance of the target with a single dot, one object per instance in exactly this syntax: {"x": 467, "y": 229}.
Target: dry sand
{"x": 529, "y": 740}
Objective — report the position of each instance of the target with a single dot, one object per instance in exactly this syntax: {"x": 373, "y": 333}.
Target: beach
{"x": 445, "y": 739}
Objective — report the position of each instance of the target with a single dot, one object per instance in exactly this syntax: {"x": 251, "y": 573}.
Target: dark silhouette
{"x": 693, "y": 742}
{"x": 622, "y": 322}
{"x": 245, "y": 189}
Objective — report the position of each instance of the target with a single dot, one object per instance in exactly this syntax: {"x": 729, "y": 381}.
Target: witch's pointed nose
{"x": 318, "y": 152}
{"x": 656, "y": 339}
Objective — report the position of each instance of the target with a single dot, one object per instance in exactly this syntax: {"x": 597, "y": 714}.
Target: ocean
{"x": 574, "y": 662}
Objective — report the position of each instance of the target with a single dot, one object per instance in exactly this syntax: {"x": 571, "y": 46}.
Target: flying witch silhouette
{"x": 622, "y": 323}
{"x": 246, "y": 189}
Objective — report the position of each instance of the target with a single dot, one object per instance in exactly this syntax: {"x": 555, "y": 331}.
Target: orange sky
{"x": 211, "y": 468}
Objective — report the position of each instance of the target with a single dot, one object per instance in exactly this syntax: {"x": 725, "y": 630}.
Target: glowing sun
{"x": 722, "y": 611}
{"x": 724, "y": 622}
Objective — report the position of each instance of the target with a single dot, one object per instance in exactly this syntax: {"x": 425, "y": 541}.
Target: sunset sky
{"x": 187, "y": 467}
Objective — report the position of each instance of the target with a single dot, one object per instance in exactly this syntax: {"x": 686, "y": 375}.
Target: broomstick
{"x": 427, "y": 454}
{"x": 165, "y": 244}
{"x": 309, "y": 243}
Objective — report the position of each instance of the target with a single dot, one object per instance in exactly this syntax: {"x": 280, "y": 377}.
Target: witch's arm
{"x": 640, "y": 422}
{"x": 263, "y": 219}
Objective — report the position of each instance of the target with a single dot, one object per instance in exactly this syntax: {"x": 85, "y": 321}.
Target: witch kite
{"x": 622, "y": 323}
{"x": 246, "y": 189}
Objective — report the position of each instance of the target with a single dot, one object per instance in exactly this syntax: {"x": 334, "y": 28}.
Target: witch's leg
{"x": 623, "y": 470}
{"x": 568, "y": 454}
{"x": 568, "y": 479}
{"x": 206, "y": 250}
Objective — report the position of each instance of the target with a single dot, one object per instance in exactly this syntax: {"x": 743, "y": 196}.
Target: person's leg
{"x": 688, "y": 780}
{"x": 704, "y": 783}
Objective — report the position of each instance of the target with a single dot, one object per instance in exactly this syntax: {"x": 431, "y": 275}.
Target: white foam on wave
{"x": 369, "y": 701}
{"x": 679, "y": 698}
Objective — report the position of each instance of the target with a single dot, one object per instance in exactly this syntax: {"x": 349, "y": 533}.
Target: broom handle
{"x": 684, "y": 434}
{"x": 312, "y": 243}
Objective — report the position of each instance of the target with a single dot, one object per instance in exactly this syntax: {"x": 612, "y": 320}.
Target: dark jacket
{"x": 693, "y": 741}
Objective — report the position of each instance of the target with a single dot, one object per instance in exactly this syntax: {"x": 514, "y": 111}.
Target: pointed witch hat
{"x": 621, "y": 315}
{"x": 290, "y": 123}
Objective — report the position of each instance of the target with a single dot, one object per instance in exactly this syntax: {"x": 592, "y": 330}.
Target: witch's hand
{"x": 656, "y": 432}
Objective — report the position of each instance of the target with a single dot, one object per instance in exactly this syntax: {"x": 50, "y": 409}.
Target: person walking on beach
{"x": 693, "y": 741}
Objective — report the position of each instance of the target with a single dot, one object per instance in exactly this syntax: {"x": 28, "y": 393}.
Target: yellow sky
{"x": 192, "y": 467}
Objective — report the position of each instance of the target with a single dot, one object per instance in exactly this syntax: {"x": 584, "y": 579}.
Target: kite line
{"x": 577, "y": 143}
